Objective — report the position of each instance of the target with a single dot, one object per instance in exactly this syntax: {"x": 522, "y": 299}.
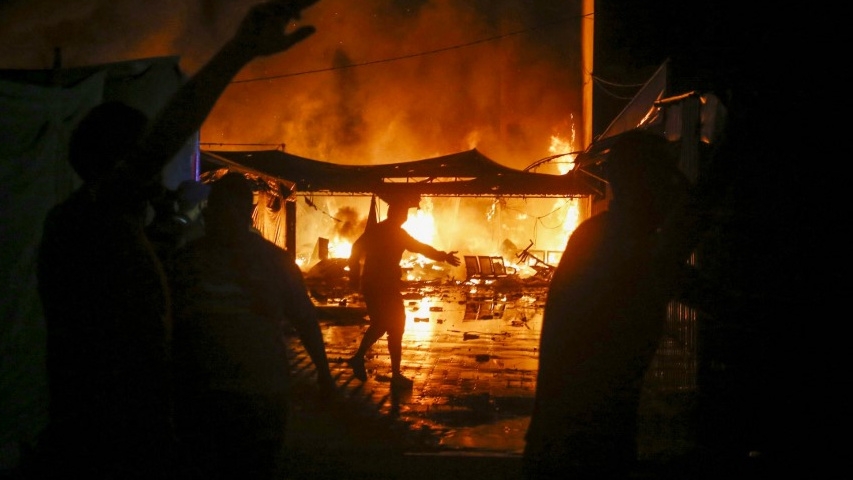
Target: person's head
{"x": 106, "y": 133}
{"x": 230, "y": 203}
{"x": 191, "y": 197}
{"x": 399, "y": 204}
{"x": 642, "y": 169}
{"x": 398, "y": 213}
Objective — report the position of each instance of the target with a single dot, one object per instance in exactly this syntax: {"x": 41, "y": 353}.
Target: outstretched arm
{"x": 428, "y": 251}
{"x": 261, "y": 33}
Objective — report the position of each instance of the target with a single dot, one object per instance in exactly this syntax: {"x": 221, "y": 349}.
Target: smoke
{"x": 350, "y": 223}
{"x": 381, "y": 81}
{"x": 504, "y": 76}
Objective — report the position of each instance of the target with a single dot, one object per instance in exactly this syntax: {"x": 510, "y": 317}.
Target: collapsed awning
{"x": 468, "y": 173}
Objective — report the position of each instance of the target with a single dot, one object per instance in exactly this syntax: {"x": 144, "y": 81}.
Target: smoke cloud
{"x": 504, "y": 76}
{"x": 381, "y": 81}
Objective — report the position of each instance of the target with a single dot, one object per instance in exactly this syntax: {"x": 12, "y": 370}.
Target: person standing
{"x": 381, "y": 248}
{"x": 234, "y": 292}
{"x": 605, "y": 314}
{"x": 103, "y": 290}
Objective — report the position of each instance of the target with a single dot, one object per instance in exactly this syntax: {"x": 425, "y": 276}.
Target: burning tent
{"x": 463, "y": 174}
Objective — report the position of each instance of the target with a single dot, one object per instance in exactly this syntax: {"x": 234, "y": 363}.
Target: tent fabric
{"x": 468, "y": 173}
{"x": 38, "y": 111}
{"x": 641, "y": 105}
{"x": 34, "y": 129}
{"x": 269, "y": 217}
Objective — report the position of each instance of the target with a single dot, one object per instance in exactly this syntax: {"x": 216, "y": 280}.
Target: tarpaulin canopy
{"x": 468, "y": 173}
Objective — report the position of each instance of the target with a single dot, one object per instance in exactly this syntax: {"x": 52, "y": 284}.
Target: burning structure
{"x": 471, "y": 204}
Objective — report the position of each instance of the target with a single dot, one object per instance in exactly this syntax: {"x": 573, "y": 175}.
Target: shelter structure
{"x": 691, "y": 119}
{"x": 464, "y": 174}
{"x": 468, "y": 173}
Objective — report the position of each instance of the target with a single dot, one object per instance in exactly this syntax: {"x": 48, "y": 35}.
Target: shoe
{"x": 398, "y": 381}
{"x": 357, "y": 365}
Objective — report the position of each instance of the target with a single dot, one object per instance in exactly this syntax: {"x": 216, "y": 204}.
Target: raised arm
{"x": 261, "y": 33}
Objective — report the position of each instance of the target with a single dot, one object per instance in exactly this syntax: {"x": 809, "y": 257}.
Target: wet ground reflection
{"x": 472, "y": 353}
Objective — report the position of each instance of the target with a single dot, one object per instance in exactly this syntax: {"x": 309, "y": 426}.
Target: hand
{"x": 452, "y": 258}
{"x": 262, "y": 31}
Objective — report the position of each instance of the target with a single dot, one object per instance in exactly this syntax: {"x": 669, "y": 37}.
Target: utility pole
{"x": 587, "y": 50}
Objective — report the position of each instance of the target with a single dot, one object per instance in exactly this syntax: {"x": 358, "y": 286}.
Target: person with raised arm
{"x": 103, "y": 291}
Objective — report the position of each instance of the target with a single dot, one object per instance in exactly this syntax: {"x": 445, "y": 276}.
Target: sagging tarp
{"x": 468, "y": 173}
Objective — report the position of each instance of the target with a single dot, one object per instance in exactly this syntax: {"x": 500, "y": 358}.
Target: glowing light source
{"x": 339, "y": 248}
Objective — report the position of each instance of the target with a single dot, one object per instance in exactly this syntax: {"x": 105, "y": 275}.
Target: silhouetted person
{"x": 605, "y": 314}
{"x": 102, "y": 287}
{"x": 234, "y": 293}
{"x": 381, "y": 248}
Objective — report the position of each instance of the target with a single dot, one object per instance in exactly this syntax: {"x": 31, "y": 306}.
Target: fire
{"x": 421, "y": 225}
{"x": 339, "y": 248}
{"x": 560, "y": 145}
{"x": 470, "y": 226}
{"x": 572, "y": 218}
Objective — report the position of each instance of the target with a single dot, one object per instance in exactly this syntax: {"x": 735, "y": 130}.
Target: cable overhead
{"x": 413, "y": 55}
{"x": 597, "y": 78}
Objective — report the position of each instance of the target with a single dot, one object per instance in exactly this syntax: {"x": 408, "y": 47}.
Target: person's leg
{"x": 396, "y": 328}
{"x": 356, "y": 362}
{"x": 371, "y": 336}
{"x": 395, "y": 350}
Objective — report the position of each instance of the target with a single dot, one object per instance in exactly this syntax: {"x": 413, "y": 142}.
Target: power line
{"x": 413, "y": 55}
{"x": 601, "y": 86}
